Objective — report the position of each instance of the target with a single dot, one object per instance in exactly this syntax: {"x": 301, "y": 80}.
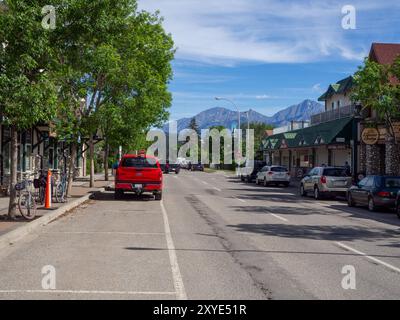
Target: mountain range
{"x": 228, "y": 118}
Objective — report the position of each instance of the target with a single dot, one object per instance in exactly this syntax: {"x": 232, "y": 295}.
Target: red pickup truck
{"x": 139, "y": 174}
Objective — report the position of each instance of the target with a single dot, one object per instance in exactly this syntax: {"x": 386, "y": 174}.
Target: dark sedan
{"x": 175, "y": 168}
{"x": 197, "y": 167}
{"x": 165, "y": 168}
{"x": 375, "y": 192}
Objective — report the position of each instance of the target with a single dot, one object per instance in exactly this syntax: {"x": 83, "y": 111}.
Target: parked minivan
{"x": 326, "y": 181}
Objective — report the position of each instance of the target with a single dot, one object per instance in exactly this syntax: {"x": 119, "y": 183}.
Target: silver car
{"x": 326, "y": 181}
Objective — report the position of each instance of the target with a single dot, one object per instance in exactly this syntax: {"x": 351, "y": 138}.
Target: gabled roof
{"x": 340, "y": 87}
{"x": 322, "y": 134}
{"x": 384, "y": 53}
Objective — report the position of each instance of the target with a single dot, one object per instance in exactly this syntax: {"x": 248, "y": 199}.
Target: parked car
{"x": 183, "y": 163}
{"x": 249, "y": 172}
{"x": 175, "y": 167}
{"x": 375, "y": 192}
{"x": 165, "y": 167}
{"x": 139, "y": 174}
{"x": 196, "y": 167}
{"x": 326, "y": 181}
{"x": 273, "y": 175}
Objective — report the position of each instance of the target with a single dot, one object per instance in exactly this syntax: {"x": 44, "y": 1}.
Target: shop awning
{"x": 332, "y": 132}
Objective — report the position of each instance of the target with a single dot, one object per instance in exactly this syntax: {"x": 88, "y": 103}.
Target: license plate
{"x": 340, "y": 183}
{"x": 138, "y": 186}
{"x": 139, "y": 174}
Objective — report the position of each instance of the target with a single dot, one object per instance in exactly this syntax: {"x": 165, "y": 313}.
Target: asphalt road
{"x": 212, "y": 237}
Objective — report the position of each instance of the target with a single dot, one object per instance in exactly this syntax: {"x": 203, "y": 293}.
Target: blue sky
{"x": 266, "y": 54}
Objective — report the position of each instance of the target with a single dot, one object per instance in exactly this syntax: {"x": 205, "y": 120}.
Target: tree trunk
{"x": 91, "y": 156}
{"x": 12, "y": 208}
{"x": 392, "y": 157}
{"x": 106, "y": 152}
{"x": 71, "y": 166}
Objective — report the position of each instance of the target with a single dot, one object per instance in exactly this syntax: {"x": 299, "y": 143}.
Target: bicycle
{"x": 61, "y": 188}
{"x": 26, "y": 201}
{"x": 40, "y": 186}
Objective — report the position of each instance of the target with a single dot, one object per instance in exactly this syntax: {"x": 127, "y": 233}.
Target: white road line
{"x": 89, "y": 292}
{"x": 206, "y": 183}
{"x": 241, "y": 200}
{"x": 108, "y": 233}
{"x": 176, "y": 273}
{"x": 279, "y": 217}
{"x": 219, "y": 190}
{"x": 387, "y": 265}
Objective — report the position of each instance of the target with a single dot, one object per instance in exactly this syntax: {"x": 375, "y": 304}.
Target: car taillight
{"x": 384, "y": 194}
{"x": 288, "y": 173}
{"x": 323, "y": 179}
{"x": 270, "y": 173}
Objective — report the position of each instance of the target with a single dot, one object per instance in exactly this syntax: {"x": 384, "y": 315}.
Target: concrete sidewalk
{"x": 80, "y": 188}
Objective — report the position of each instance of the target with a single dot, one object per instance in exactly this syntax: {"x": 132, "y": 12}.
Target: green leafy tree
{"x": 118, "y": 59}
{"x": 193, "y": 125}
{"x": 376, "y": 89}
{"x": 27, "y": 91}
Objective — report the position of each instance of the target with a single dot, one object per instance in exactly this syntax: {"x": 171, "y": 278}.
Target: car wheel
{"x": 118, "y": 194}
{"x": 303, "y": 192}
{"x": 371, "y": 204}
{"x": 350, "y": 201}
{"x": 317, "y": 194}
{"x": 248, "y": 180}
{"x": 158, "y": 196}
{"x": 286, "y": 184}
{"x": 398, "y": 211}
{"x": 242, "y": 178}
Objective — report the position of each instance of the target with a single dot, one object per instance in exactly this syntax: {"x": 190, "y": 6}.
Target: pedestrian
{"x": 348, "y": 168}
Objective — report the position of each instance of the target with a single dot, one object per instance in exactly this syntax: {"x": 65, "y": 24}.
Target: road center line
{"x": 203, "y": 182}
{"x": 387, "y": 265}
{"x": 176, "y": 273}
{"x": 219, "y": 190}
{"x": 279, "y": 217}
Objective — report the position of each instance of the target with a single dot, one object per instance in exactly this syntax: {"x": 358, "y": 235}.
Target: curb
{"x": 12, "y": 237}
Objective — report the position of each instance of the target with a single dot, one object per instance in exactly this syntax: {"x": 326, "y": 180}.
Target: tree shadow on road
{"x": 294, "y": 252}
{"x": 313, "y": 232}
{"x": 108, "y": 196}
{"x": 282, "y": 210}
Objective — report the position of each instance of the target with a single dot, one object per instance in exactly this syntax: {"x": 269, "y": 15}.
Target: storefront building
{"x": 38, "y": 149}
{"x": 327, "y": 143}
{"x": 380, "y": 154}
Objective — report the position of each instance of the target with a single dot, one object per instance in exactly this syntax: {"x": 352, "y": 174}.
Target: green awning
{"x": 332, "y": 132}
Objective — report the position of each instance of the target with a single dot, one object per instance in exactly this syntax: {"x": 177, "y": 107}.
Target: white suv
{"x": 273, "y": 175}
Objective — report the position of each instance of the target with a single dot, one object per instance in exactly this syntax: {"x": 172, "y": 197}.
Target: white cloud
{"x": 230, "y": 31}
{"x": 317, "y": 88}
{"x": 263, "y": 97}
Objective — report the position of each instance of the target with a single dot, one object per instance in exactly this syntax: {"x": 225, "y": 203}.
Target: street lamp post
{"x": 239, "y": 132}
{"x": 236, "y": 107}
